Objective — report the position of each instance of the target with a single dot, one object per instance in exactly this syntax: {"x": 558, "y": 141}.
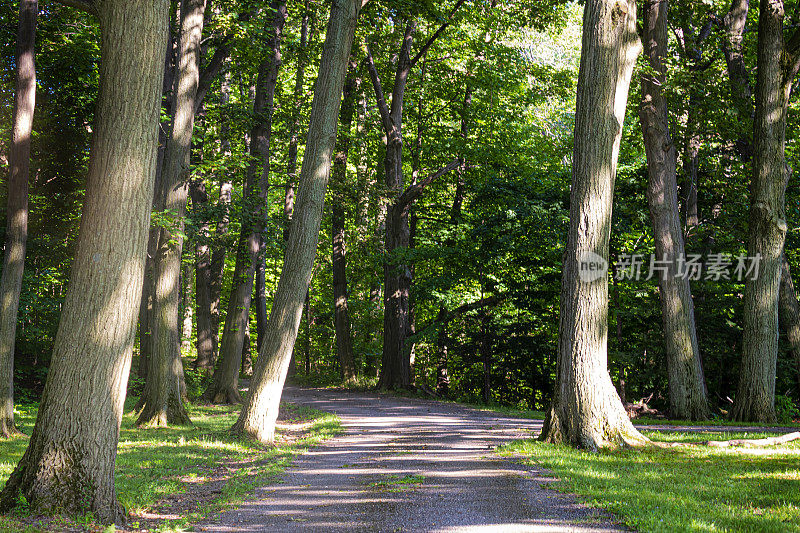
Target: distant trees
{"x": 69, "y": 463}
{"x": 586, "y": 410}
{"x": 17, "y": 207}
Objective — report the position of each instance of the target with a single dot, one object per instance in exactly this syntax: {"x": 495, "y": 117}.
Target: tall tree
{"x": 778, "y": 63}
{"x": 687, "y": 393}
{"x": 224, "y": 387}
{"x": 258, "y": 417}
{"x": 586, "y": 410}
{"x": 17, "y": 207}
{"x": 396, "y": 361}
{"x": 162, "y": 403}
{"x": 69, "y": 463}
{"x": 341, "y": 313}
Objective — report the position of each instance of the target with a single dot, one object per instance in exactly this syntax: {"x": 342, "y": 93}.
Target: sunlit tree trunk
{"x": 68, "y": 466}
{"x": 257, "y": 419}
{"x": 586, "y": 410}
{"x": 777, "y": 67}
{"x": 17, "y": 207}
{"x": 224, "y": 387}
{"x": 162, "y": 399}
{"x": 687, "y": 392}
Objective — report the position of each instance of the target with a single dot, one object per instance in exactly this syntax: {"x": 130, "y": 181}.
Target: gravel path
{"x": 412, "y": 466}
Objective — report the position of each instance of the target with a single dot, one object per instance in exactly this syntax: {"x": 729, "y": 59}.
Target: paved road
{"x": 411, "y": 466}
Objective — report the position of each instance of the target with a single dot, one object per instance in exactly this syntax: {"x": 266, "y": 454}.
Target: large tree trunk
{"x": 68, "y": 466}
{"x": 341, "y": 314}
{"x": 586, "y": 410}
{"x": 224, "y": 387}
{"x": 755, "y": 396}
{"x": 257, "y": 419}
{"x": 17, "y": 208}
{"x": 162, "y": 402}
{"x": 687, "y": 392}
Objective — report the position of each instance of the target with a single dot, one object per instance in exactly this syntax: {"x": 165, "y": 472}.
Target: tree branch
{"x": 84, "y": 5}
{"x": 436, "y": 35}
{"x": 415, "y": 191}
{"x": 376, "y": 83}
{"x": 209, "y": 73}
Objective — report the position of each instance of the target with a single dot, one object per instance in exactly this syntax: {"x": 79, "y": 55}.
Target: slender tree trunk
{"x": 586, "y": 410}
{"x": 225, "y": 384}
{"x": 187, "y": 286}
{"x": 17, "y": 208}
{"x": 790, "y": 313}
{"x": 68, "y": 466}
{"x": 341, "y": 314}
{"x": 205, "y": 345}
{"x": 691, "y": 165}
{"x": 687, "y": 392}
{"x": 162, "y": 399}
{"x": 257, "y": 419}
{"x": 755, "y": 396}
{"x": 733, "y": 24}
{"x": 486, "y": 357}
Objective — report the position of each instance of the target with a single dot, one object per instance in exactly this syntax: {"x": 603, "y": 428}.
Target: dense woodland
{"x": 397, "y": 195}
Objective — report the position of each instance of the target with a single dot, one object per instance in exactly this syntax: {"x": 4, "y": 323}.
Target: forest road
{"x": 407, "y": 465}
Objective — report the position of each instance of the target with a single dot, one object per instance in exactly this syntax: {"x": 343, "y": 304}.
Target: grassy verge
{"x": 681, "y": 489}
{"x": 170, "y": 478}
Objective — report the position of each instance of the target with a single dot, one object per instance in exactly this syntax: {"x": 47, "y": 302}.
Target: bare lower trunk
{"x": 586, "y": 410}
{"x": 225, "y": 384}
{"x": 68, "y": 466}
{"x": 257, "y": 419}
{"x": 687, "y": 392}
{"x": 17, "y": 208}
{"x": 162, "y": 399}
{"x": 205, "y": 342}
{"x": 755, "y": 396}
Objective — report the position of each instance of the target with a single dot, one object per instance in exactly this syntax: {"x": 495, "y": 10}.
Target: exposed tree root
{"x": 747, "y": 443}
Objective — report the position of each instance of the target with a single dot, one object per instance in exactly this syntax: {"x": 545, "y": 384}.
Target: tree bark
{"x": 187, "y": 288}
{"x": 755, "y": 396}
{"x": 789, "y": 314}
{"x": 17, "y": 207}
{"x": 257, "y": 419}
{"x": 205, "y": 344}
{"x": 586, "y": 410}
{"x": 341, "y": 314}
{"x": 162, "y": 401}
{"x": 687, "y": 392}
{"x": 68, "y": 466}
{"x": 224, "y": 387}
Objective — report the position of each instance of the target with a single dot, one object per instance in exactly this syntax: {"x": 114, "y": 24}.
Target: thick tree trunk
{"x": 224, "y": 387}
{"x": 755, "y": 396}
{"x": 162, "y": 399}
{"x": 687, "y": 392}
{"x": 68, "y": 466}
{"x": 17, "y": 208}
{"x": 257, "y": 419}
{"x": 586, "y": 410}
{"x": 341, "y": 314}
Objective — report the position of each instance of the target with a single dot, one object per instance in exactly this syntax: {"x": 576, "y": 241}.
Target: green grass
{"x": 155, "y": 463}
{"x": 721, "y": 422}
{"x": 698, "y": 489}
{"x": 395, "y": 483}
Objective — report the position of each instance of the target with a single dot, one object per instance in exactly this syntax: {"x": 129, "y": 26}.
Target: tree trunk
{"x": 586, "y": 410}
{"x": 205, "y": 342}
{"x": 68, "y": 466}
{"x": 17, "y": 208}
{"x": 733, "y": 23}
{"x": 341, "y": 314}
{"x": 224, "y": 387}
{"x": 162, "y": 401}
{"x": 187, "y": 285}
{"x": 790, "y": 313}
{"x": 687, "y": 392}
{"x": 486, "y": 357}
{"x": 257, "y": 419}
{"x": 755, "y": 396}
